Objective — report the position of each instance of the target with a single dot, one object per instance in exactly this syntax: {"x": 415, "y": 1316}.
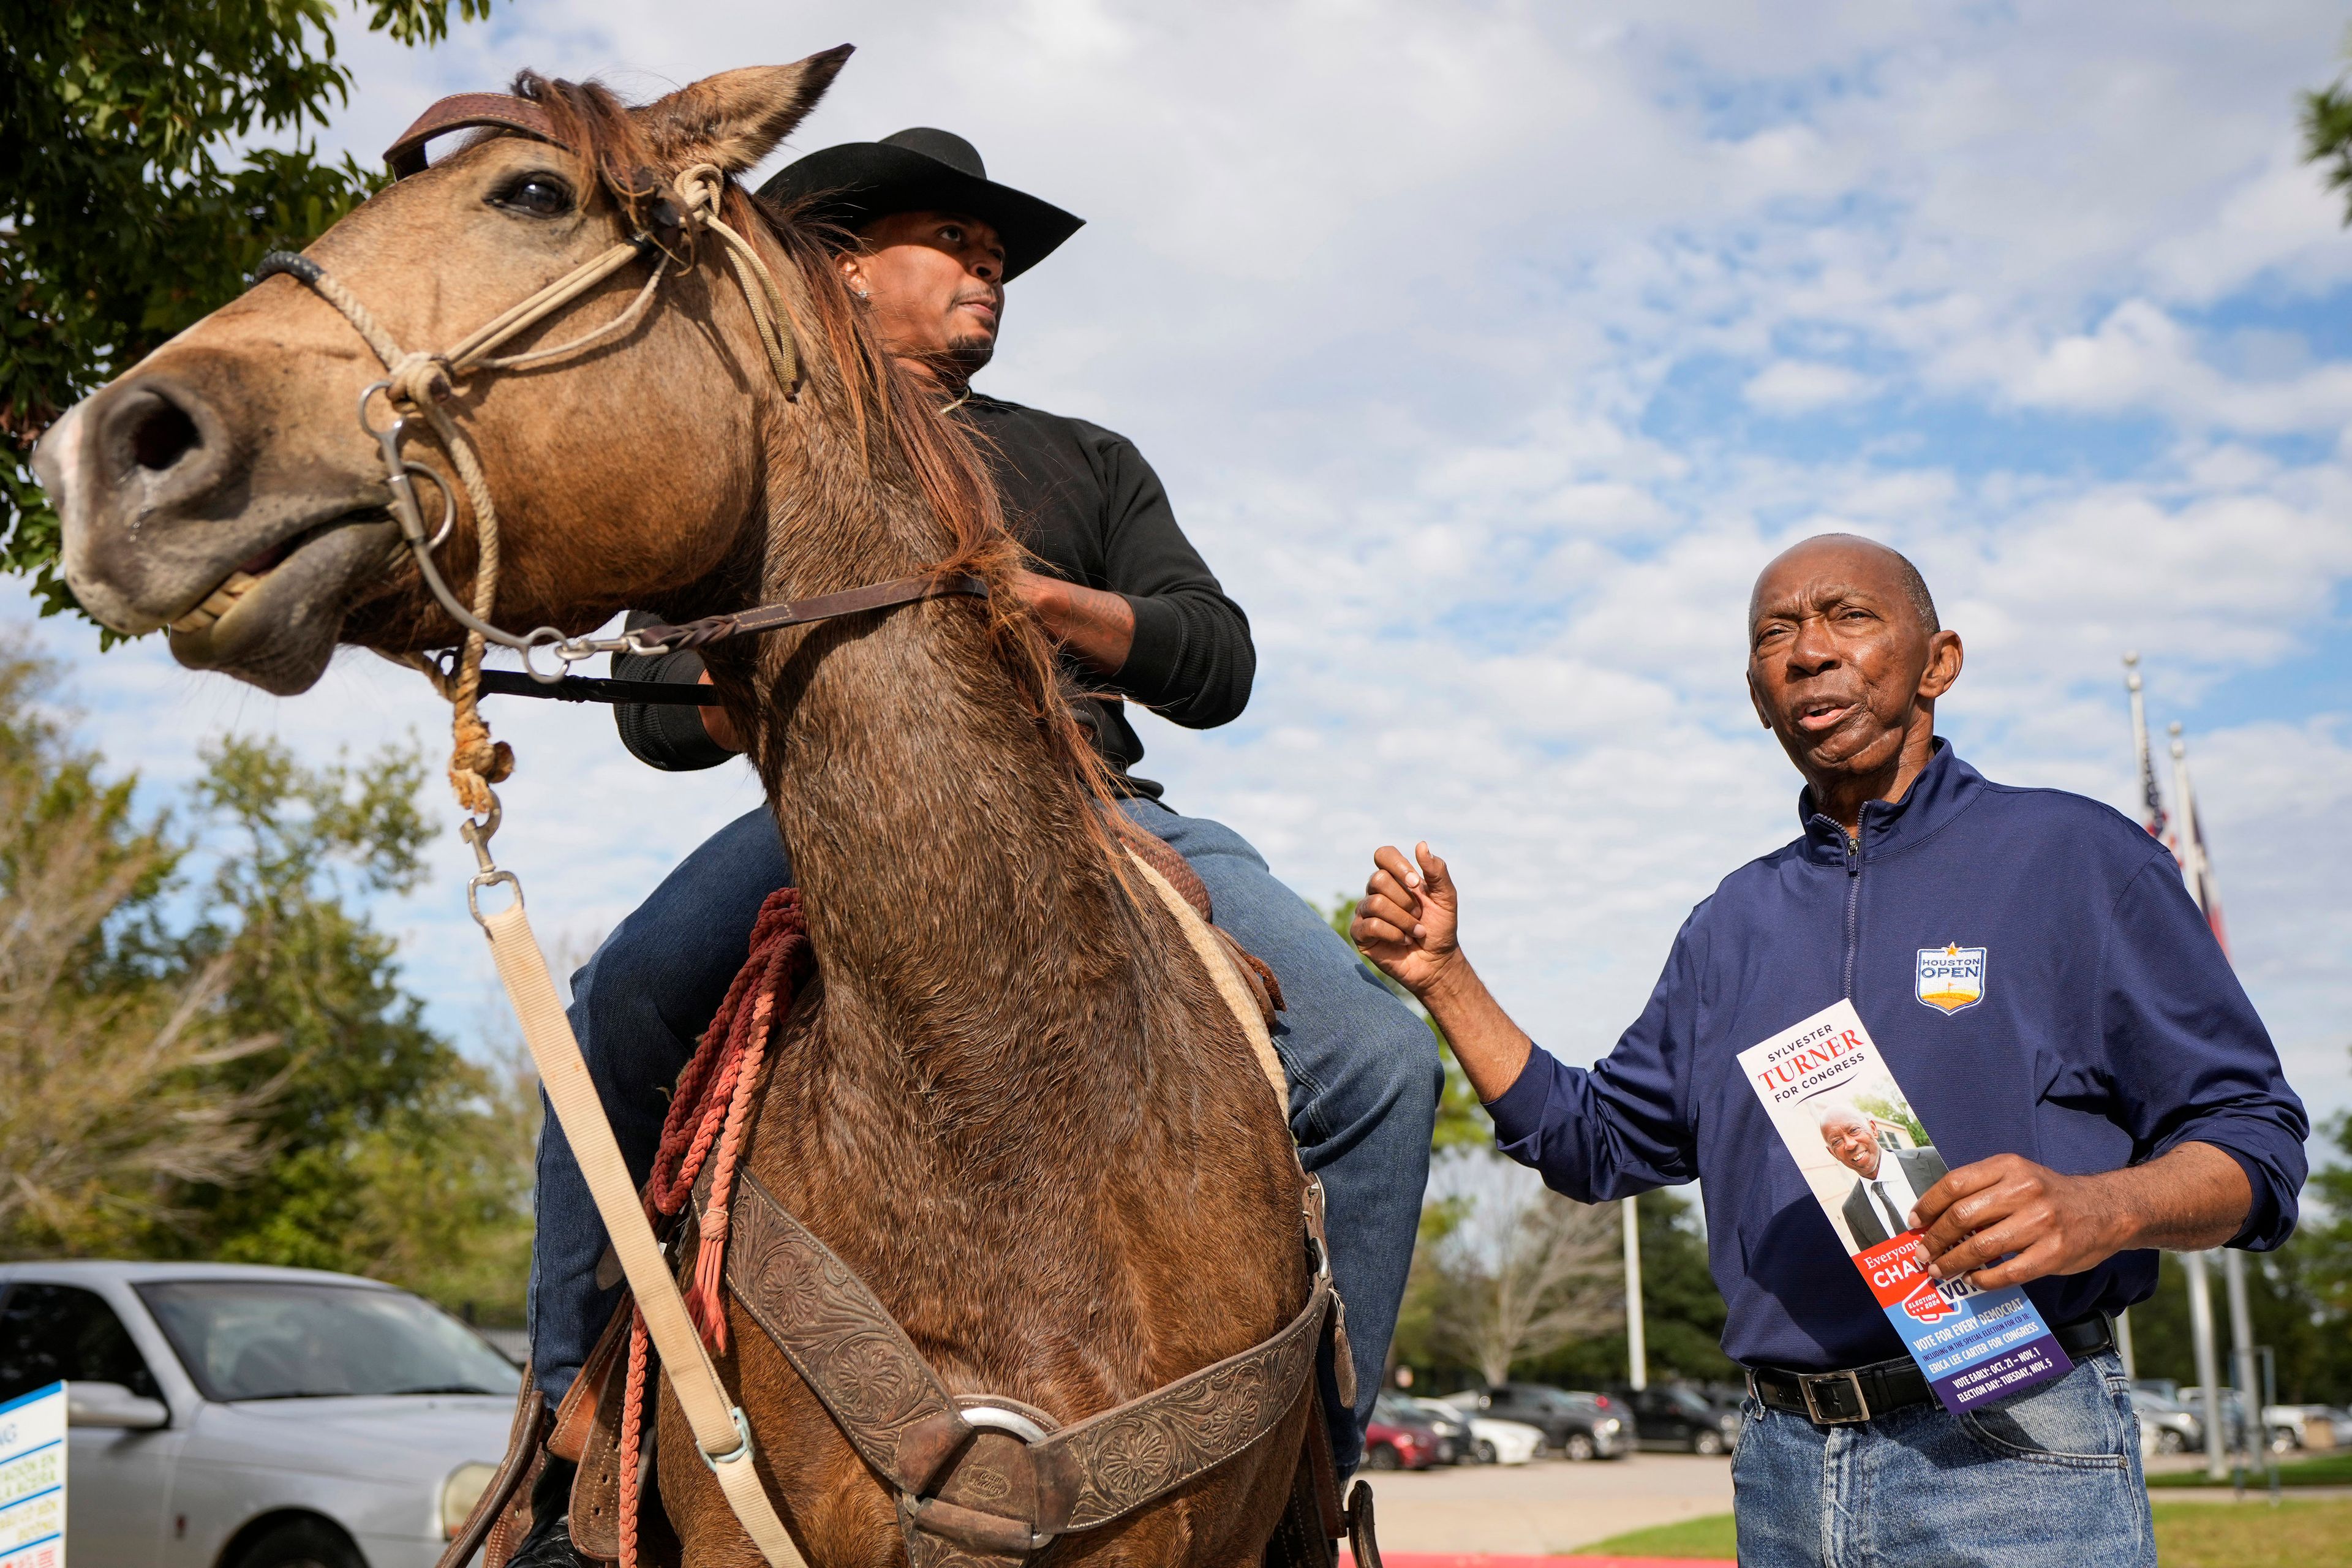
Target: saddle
{"x": 1177, "y": 871}
{"x": 982, "y": 1481}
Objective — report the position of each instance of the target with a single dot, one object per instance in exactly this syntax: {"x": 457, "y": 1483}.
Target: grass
{"x": 1708, "y": 1537}
{"x": 2328, "y": 1471}
{"x": 2297, "y": 1534}
{"x": 2255, "y": 1534}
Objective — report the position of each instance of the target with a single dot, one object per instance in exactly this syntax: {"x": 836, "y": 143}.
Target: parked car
{"x": 1575, "y": 1427}
{"x": 2234, "y": 1418}
{"x": 1485, "y": 1440}
{"x": 230, "y": 1417}
{"x": 2190, "y": 1397}
{"x": 1452, "y": 1430}
{"x": 2176, "y": 1430}
{"x": 2305, "y": 1426}
{"x": 1400, "y": 1437}
{"x": 1669, "y": 1415}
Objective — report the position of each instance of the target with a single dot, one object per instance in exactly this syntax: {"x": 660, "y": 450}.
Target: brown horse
{"x": 1014, "y": 1104}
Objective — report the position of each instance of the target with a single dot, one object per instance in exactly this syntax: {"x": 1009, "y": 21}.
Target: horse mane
{"x": 886, "y": 409}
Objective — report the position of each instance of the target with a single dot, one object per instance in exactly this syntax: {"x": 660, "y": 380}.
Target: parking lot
{"x": 1551, "y": 1506}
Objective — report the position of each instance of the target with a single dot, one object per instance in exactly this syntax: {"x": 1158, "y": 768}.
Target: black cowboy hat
{"x": 922, "y": 170}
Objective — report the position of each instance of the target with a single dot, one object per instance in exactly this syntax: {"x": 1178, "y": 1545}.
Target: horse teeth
{"x": 216, "y": 604}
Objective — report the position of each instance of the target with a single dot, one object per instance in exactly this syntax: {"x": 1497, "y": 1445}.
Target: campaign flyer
{"x": 33, "y": 1479}
{"x": 1868, "y": 1158}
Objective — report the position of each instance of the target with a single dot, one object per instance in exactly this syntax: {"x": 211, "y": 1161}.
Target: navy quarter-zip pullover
{"x": 2108, "y": 1029}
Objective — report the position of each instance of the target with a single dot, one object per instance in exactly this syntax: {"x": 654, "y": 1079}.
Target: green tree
{"x": 2325, "y": 1243}
{"x": 391, "y": 1153}
{"x": 2327, "y": 133}
{"x": 2299, "y": 1298}
{"x": 131, "y": 200}
{"x": 1462, "y": 1121}
{"x": 112, "y": 1098}
{"x": 1682, "y": 1313}
{"x": 205, "y": 1047}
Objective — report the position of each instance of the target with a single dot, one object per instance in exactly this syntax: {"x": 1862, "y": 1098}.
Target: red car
{"x": 1400, "y": 1444}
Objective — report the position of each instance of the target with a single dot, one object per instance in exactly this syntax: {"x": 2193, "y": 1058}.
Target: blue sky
{"x": 1487, "y": 351}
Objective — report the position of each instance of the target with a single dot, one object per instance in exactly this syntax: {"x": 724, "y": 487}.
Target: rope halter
{"x": 419, "y": 383}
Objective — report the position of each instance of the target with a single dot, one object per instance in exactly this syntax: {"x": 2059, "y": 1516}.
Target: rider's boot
{"x": 548, "y": 1542}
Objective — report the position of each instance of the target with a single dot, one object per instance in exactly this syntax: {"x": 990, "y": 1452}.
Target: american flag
{"x": 2196, "y": 864}
{"x": 2152, "y": 816}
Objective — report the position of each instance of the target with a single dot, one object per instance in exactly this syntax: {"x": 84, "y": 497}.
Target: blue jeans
{"x": 2047, "y": 1480}
{"x": 1364, "y": 1075}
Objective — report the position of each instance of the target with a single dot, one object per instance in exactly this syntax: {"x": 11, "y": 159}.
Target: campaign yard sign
{"x": 33, "y": 1479}
{"x": 1867, "y": 1159}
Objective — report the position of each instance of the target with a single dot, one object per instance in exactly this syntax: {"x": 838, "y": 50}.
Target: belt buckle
{"x": 1808, "y": 1382}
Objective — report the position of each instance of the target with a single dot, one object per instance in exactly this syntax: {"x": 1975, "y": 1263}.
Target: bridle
{"x": 420, "y": 383}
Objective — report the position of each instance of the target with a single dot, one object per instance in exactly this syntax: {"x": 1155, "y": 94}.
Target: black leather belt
{"x": 1863, "y": 1393}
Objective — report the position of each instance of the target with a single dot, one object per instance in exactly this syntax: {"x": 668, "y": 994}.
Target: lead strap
{"x": 720, "y": 1431}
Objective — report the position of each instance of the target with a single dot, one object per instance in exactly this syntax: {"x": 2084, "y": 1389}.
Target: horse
{"x": 1012, "y": 1101}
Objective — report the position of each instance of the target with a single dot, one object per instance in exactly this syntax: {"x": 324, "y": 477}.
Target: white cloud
{"x": 1394, "y": 295}
{"x": 1788, "y": 386}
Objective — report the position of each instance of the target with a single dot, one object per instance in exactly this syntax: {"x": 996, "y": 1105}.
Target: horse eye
{"x": 539, "y": 195}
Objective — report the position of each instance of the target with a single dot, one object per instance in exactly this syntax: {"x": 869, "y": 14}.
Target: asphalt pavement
{"x": 1554, "y": 1505}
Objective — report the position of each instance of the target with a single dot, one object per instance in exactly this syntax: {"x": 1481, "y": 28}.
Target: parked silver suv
{"x": 228, "y": 1416}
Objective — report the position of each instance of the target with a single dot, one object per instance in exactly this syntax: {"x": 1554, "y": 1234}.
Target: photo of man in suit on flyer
{"x": 1889, "y": 1181}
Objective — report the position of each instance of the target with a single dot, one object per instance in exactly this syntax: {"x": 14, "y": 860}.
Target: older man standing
{"x": 2110, "y": 1092}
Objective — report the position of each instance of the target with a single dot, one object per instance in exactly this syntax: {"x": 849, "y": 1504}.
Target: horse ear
{"x": 736, "y": 117}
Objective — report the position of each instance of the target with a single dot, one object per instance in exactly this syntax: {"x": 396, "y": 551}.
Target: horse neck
{"x": 976, "y": 948}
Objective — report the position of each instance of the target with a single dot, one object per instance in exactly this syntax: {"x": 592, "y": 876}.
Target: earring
{"x": 862, "y": 294}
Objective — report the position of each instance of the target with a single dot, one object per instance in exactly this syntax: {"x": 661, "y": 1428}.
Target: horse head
{"x": 229, "y": 487}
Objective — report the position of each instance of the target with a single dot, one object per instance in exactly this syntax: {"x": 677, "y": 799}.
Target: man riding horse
{"x": 1138, "y": 616}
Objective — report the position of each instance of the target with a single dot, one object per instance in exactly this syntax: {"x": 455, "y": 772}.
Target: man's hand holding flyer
{"x": 1866, "y": 1157}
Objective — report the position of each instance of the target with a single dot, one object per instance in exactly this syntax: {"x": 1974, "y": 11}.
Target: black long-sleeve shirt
{"x": 1088, "y": 505}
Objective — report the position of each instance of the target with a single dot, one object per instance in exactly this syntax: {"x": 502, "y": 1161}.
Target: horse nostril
{"x": 160, "y": 434}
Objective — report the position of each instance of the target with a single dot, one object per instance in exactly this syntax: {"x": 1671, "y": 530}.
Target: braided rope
{"x": 633, "y": 1408}
{"x": 711, "y": 1109}
{"x": 703, "y": 189}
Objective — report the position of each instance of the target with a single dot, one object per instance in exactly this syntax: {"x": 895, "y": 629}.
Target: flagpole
{"x": 2201, "y": 1340}
{"x": 1637, "y": 1351}
{"x": 2197, "y": 872}
{"x": 2192, "y": 842}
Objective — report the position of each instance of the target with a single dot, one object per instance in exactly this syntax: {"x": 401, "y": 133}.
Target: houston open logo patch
{"x": 1951, "y": 978}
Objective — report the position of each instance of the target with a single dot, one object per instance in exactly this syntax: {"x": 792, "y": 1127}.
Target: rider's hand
{"x": 1405, "y": 921}
{"x": 1097, "y": 626}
